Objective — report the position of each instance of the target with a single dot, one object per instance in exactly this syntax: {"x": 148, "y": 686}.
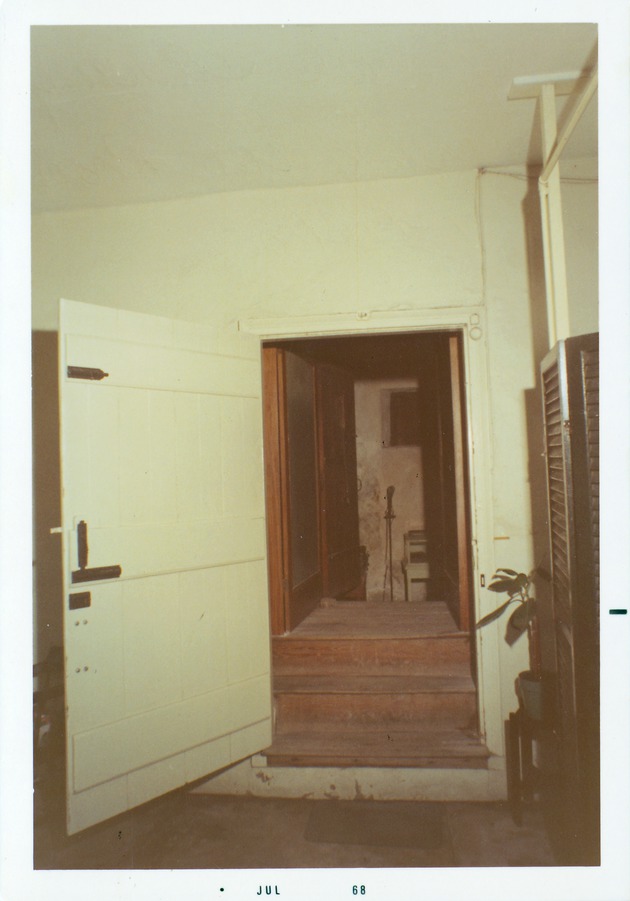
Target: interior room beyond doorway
{"x": 365, "y": 452}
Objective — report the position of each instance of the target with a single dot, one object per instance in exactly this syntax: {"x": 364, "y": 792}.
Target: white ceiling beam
{"x": 588, "y": 89}
{"x": 529, "y": 87}
{"x": 558, "y": 325}
{"x": 545, "y": 89}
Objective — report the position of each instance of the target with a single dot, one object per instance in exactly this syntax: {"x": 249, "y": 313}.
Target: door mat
{"x": 391, "y": 824}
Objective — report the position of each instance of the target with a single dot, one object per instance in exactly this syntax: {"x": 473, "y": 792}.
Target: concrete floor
{"x": 194, "y": 831}
{"x": 183, "y": 830}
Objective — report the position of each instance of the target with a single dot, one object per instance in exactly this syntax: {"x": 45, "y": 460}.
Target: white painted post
{"x": 552, "y": 226}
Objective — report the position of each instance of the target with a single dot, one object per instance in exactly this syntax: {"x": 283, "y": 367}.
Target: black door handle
{"x": 82, "y": 544}
{"x": 96, "y": 573}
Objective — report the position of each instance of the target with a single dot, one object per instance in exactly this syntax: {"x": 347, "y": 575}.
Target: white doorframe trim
{"x": 471, "y": 322}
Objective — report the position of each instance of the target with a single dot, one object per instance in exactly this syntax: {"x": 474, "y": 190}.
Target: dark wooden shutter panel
{"x": 590, "y": 375}
{"x": 556, "y": 413}
{"x": 570, "y": 381}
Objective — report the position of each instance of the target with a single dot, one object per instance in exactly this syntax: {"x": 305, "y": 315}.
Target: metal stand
{"x": 389, "y": 516}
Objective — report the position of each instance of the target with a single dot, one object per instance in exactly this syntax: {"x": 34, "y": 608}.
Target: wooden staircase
{"x": 362, "y": 684}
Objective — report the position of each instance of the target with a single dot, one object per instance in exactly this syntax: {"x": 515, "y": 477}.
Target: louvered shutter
{"x": 570, "y": 380}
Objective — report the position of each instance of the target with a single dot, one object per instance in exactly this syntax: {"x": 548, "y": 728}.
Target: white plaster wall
{"x": 379, "y": 466}
{"x": 449, "y": 240}
{"x": 514, "y": 296}
{"x": 336, "y": 248}
{"x": 580, "y": 215}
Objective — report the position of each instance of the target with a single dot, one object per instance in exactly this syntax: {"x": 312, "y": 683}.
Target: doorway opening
{"x": 369, "y": 537}
{"x": 366, "y": 473}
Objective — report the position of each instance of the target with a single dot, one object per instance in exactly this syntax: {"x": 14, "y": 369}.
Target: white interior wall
{"x": 440, "y": 241}
{"x": 580, "y": 216}
{"x": 517, "y": 342}
{"x": 395, "y": 244}
{"x": 333, "y": 248}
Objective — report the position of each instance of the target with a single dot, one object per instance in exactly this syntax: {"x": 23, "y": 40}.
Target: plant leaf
{"x": 519, "y": 620}
{"x": 504, "y": 585}
{"x": 490, "y": 617}
{"x": 515, "y": 585}
{"x": 508, "y": 572}
{"x": 522, "y": 580}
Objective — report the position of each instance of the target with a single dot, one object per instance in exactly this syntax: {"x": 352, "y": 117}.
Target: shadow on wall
{"x": 47, "y": 573}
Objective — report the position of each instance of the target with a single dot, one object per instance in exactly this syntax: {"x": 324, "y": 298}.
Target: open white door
{"x": 165, "y": 603}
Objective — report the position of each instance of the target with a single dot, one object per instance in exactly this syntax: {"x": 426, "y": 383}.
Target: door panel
{"x": 303, "y": 574}
{"x": 338, "y": 480}
{"x": 295, "y": 576}
{"x": 275, "y": 495}
{"x": 167, "y": 668}
{"x": 302, "y": 470}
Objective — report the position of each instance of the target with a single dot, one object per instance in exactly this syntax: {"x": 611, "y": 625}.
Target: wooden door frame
{"x": 445, "y": 474}
{"x": 462, "y": 489}
{"x": 470, "y": 321}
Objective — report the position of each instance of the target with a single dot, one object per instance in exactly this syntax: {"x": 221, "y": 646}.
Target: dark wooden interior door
{"x": 291, "y": 451}
{"x": 339, "y": 507}
{"x": 446, "y": 478}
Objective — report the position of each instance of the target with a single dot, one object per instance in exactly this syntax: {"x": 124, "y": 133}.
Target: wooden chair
{"x": 415, "y": 564}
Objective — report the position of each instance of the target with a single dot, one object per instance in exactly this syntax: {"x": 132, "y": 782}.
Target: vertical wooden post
{"x": 552, "y": 226}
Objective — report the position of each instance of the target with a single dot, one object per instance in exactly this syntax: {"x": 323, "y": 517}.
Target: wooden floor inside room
{"x": 375, "y": 684}
{"x": 362, "y": 619}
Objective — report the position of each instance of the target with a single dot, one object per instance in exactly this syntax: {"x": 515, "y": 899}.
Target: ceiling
{"x": 135, "y": 114}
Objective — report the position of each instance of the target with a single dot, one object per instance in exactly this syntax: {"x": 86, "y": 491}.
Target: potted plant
{"x": 522, "y": 619}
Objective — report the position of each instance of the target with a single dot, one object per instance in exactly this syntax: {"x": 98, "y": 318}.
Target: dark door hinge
{"x": 86, "y": 372}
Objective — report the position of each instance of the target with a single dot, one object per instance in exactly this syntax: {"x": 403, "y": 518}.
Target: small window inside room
{"x": 401, "y": 419}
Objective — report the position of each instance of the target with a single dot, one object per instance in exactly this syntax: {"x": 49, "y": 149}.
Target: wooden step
{"x": 362, "y": 684}
{"x": 354, "y": 703}
{"x": 445, "y": 655}
{"x": 375, "y": 685}
{"x": 446, "y": 748}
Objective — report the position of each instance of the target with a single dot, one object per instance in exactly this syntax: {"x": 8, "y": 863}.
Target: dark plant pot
{"x": 530, "y": 692}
